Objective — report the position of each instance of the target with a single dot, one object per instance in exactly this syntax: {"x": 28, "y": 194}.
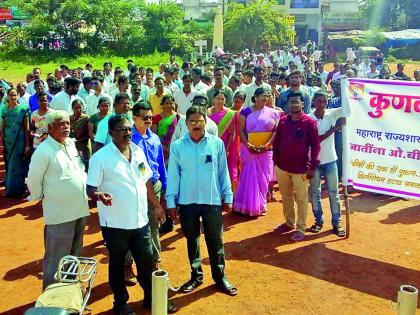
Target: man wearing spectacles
{"x": 152, "y": 148}
{"x": 199, "y": 185}
{"x": 120, "y": 180}
{"x": 182, "y": 129}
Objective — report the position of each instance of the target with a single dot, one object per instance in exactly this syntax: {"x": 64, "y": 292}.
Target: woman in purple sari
{"x": 256, "y": 131}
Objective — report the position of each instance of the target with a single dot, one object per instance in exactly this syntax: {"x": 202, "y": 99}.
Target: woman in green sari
{"x": 164, "y": 124}
{"x": 226, "y": 121}
{"x": 16, "y": 142}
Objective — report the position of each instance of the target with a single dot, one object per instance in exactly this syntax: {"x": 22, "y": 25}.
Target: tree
{"x": 255, "y": 24}
{"x": 391, "y": 14}
{"x": 161, "y": 21}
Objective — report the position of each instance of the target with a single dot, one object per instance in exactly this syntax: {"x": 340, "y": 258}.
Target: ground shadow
{"x": 92, "y": 225}
{"x": 32, "y": 212}
{"x": 32, "y": 268}
{"x": 410, "y": 215}
{"x": 366, "y": 275}
{"x": 18, "y": 310}
{"x": 358, "y": 202}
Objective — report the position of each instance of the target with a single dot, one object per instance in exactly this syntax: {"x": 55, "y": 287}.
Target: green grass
{"x": 15, "y": 71}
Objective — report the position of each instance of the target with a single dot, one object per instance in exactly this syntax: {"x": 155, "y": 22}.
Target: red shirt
{"x": 296, "y": 144}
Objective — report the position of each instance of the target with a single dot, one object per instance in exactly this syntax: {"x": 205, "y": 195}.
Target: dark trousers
{"x": 118, "y": 242}
{"x": 211, "y": 217}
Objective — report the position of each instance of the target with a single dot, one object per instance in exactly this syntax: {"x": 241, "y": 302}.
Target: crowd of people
{"x": 186, "y": 142}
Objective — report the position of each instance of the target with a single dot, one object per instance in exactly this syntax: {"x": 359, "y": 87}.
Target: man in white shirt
{"x": 182, "y": 128}
{"x": 93, "y": 98}
{"x": 198, "y": 85}
{"x": 56, "y": 176}
{"x": 64, "y": 99}
{"x": 340, "y": 74}
{"x": 37, "y": 76}
{"x": 108, "y": 74}
{"x": 328, "y": 121}
{"x": 169, "y": 84}
{"x": 22, "y": 94}
{"x": 185, "y": 96}
{"x": 123, "y": 87}
{"x": 119, "y": 180}
{"x": 317, "y": 57}
{"x": 351, "y": 55}
{"x": 250, "y": 89}
{"x": 364, "y": 68}
{"x": 373, "y": 73}
{"x": 322, "y": 73}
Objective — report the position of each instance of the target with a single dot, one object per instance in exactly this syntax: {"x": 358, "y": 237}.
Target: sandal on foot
{"x": 316, "y": 228}
{"x": 339, "y": 231}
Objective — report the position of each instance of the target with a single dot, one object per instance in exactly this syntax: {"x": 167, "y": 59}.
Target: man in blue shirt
{"x": 33, "y": 99}
{"x": 295, "y": 84}
{"x": 199, "y": 185}
{"x": 152, "y": 148}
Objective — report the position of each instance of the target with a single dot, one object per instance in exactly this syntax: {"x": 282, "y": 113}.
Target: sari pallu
{"x": 14, "y": 148}
{"x": 257, "y": 168}
{"x": 224, "y": 120}
{"x": 165, "y": 130}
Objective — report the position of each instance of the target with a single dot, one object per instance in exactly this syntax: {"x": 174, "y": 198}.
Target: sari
{"x": 224, "y": 120}
{"x": 14, "y": 142}
{"x": 165, "y": 130}
{"x": 257, "y": 168}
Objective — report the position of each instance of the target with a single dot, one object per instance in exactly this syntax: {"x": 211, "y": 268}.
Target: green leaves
{"x": 254, "y": 24}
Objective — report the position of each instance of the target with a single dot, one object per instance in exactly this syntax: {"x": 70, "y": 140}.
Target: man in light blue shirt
{"x": 199, "y": 184}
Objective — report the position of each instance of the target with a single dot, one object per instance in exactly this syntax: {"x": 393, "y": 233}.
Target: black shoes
{"x": 190, "y": 286}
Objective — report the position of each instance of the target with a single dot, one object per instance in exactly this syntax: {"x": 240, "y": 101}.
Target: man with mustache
{"x": 120, "y": 180}
{"x": 199, "y": 185}
{"x": 295, "y": 154}
{"x": 56, "y": 176}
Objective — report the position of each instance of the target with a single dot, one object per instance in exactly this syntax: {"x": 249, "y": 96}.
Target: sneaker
{"x": 298, "y": 236}
{"x": 339, "y": 231}
{"x": 316, "y": 228}
{"x": 129, "y": 276}
{"x": 283, "y": 228}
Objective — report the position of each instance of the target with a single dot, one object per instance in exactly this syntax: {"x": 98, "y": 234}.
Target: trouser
{"x": 61, "y": 240}
{"x": 154, "y": 229}
{"x": 294, "y": 187}
{"x": 329, "y": 171}
{"x": 118, "y": 242}
{"x": 211, "y": 217}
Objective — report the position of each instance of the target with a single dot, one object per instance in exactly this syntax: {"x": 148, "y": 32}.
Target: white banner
{"x": 382, "y": 136}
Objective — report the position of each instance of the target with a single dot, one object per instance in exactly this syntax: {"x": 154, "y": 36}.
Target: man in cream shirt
{"x": 56, "y": 176}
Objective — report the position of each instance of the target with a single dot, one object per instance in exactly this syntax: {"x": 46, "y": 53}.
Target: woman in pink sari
{"x": 226, "y": 121}
{"x": 256, "y": 131}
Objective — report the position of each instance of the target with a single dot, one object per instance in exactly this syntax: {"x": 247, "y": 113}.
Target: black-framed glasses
{"x": 124, "y": 130}
{"x": 146, "y": 117}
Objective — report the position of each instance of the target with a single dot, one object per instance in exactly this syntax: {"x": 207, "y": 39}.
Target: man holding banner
{"x": 328, "y": 121}
{"x": 382, "y": 136}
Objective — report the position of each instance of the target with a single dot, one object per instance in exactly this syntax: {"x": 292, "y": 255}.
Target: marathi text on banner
{"x": 382, "y": 136}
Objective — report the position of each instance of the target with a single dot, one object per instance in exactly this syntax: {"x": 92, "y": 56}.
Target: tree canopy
{"x": 260, "y": 22}
{"x": 391, "y": 14}
{"x": 123, "y": 26}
